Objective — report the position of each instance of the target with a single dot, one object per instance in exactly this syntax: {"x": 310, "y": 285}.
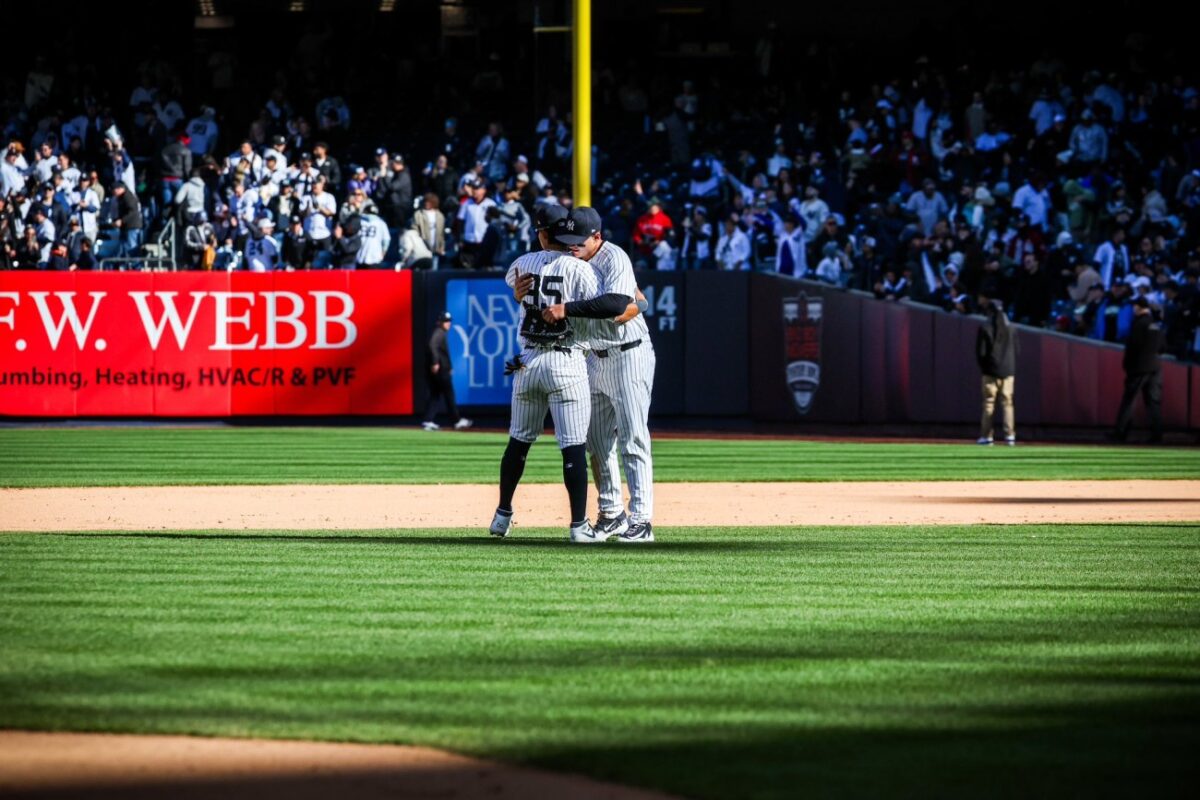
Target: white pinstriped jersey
{"x": 622, "y": 384}
{"x": 559, "y": 278}
{"x": 614, "y": 271}
{"x": 554, "y": 377}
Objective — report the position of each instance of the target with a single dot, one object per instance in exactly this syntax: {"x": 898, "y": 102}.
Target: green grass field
{"x": 961, "y": 662}
{"x": 162, "y": 456}
{"x": 752, "y": 662}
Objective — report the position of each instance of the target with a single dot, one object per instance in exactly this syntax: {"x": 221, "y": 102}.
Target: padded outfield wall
{"x": 732, "y": 345}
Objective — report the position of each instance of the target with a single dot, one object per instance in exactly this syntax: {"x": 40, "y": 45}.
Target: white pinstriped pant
{"x": 555, "y": 381}
{"x": 621, "y": 388}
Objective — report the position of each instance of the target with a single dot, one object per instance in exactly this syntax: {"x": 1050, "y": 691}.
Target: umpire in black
{"x": 438, "y": 374}
{"x": 1143, "y": 372}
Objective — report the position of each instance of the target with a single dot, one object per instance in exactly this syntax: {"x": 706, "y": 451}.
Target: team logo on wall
{"x": 802, "y": 348}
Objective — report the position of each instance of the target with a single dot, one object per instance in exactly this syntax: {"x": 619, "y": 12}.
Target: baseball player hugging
{"x": 621, "y": 377}
{"x": 551, "y": 370}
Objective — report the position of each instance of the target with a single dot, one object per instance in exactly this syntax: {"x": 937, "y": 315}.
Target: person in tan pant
{"x": 996, "y": 351}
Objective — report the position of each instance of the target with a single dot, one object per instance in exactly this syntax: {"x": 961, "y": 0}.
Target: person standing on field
{"x": 439, "y": 374}
{"x": 996, "y": 352}
{"x": 1143, "y": 372}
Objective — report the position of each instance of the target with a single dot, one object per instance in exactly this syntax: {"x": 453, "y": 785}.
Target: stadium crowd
{"x": 1066, "y": 194}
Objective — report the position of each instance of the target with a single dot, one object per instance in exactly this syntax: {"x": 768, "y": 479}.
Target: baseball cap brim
{"x": 570, "y": 239}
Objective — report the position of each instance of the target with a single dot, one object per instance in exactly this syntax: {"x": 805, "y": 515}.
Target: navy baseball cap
{"x": 577, "y": 227}
{"x": 547, "y": 214}
{"x": 444, "y": 316}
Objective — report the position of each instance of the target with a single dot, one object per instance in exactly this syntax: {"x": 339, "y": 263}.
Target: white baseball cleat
{"x": 584, "y": 533}
{"x": 500, "y": 523}
{"x": 986, "y": 441}
{"x": 638, "y": 533}
{"x": 613, "y": 526}
{"x": 430, "y": 426}
{"x": 463, "y": 423}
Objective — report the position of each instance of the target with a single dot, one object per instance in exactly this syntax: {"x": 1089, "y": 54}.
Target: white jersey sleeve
{"x": 614, "y": 271}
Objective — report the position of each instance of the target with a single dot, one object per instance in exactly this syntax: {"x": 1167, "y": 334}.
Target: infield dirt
{"x": 91, "y": 766}
{"x": 350, "y": 507}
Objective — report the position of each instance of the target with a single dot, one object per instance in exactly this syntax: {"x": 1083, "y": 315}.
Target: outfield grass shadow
{"x": 1124, "y": 748}
{"x": 707, "y": 545}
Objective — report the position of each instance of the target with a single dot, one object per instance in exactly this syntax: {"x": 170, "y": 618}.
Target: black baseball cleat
{"x": 638, "y": 533}
{"x": 613, "y": 526}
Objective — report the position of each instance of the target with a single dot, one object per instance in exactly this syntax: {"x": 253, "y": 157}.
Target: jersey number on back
{"x": 533, "y": 327}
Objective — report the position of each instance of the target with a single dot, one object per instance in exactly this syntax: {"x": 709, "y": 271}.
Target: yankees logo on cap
{"x": 578, "y": 227}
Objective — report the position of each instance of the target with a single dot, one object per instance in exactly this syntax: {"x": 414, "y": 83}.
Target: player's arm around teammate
{"x": 551, "y": 374}
{"x": 621, "y": 376}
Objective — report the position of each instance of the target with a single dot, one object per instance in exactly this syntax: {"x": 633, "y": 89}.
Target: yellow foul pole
{"x": 582, "y": 114}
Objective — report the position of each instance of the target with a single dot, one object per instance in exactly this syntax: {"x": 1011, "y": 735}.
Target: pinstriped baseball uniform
{"x": 555, "y": 375}
{"x": 621, "y": 385}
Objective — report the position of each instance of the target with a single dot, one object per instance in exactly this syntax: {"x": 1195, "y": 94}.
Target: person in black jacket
{"x": 438, "y": 373}
{"x": 395, "y": 195}
{"x": 996, "y": 352}
{"x": 328, "y": 167}
{"x": 1143, "y": 372}
{"x": 127, "y": 217}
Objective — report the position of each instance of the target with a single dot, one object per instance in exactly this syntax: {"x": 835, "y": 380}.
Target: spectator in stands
{"x": 996, "y": 351}
{"x": 472, "y": 225}
{"x": 696, "y": 247}
{"x": 430, "y": 225}
{"x": 327, "y": 166}
{"x": 813, "y": 211}
{"x": 928, "y": 205}
{"x": 493, "y": 152}
{"x": 46, "y": 235}
{"x": 345, "y": 244}
{"x": 12, "y": 179}
{"x": 356, "y": 203}
{"x": 262, "y": 253}
{"x": 28, "y": 253}
{"x": 395, "y": 194}
{"x": 894, "y": 286}
{"x": 651, "y": 228}
{"x": 374, "y": 240}
{"x": 318, "y": 210}
{"x": 413, "y": 252}
{"x": 294, "y": 244}
{"x": 515, "y": 224}
{"x": 128, "y": 220}
{"x": 359, "y": 180}
{"x": 202, "y": 132}
{"x": 832, "y": 266}
{"x": 1112, "y": 258}
{"x": 200, "y": 242}
{"x": 1089, "y": 140}
{"x": 442, "y": 179}
{"x": 733, "y": 247}
{"x": 790, "y": 256}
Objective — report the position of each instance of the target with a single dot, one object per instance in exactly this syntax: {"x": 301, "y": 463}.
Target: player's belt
{"x": 627, "y": 346}
{"x": 556, "y": 348}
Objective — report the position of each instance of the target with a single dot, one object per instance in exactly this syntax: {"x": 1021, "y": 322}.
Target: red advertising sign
{"x": 202, "y": 344}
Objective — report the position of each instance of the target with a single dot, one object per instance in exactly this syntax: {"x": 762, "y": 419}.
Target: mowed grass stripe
{"x": 984, "y": 661}
{"x": 160, "y": 456}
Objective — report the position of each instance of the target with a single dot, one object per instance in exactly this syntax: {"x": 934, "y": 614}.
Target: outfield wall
{"x": 732, "y": 345}
{"x": 723, "y": 340}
